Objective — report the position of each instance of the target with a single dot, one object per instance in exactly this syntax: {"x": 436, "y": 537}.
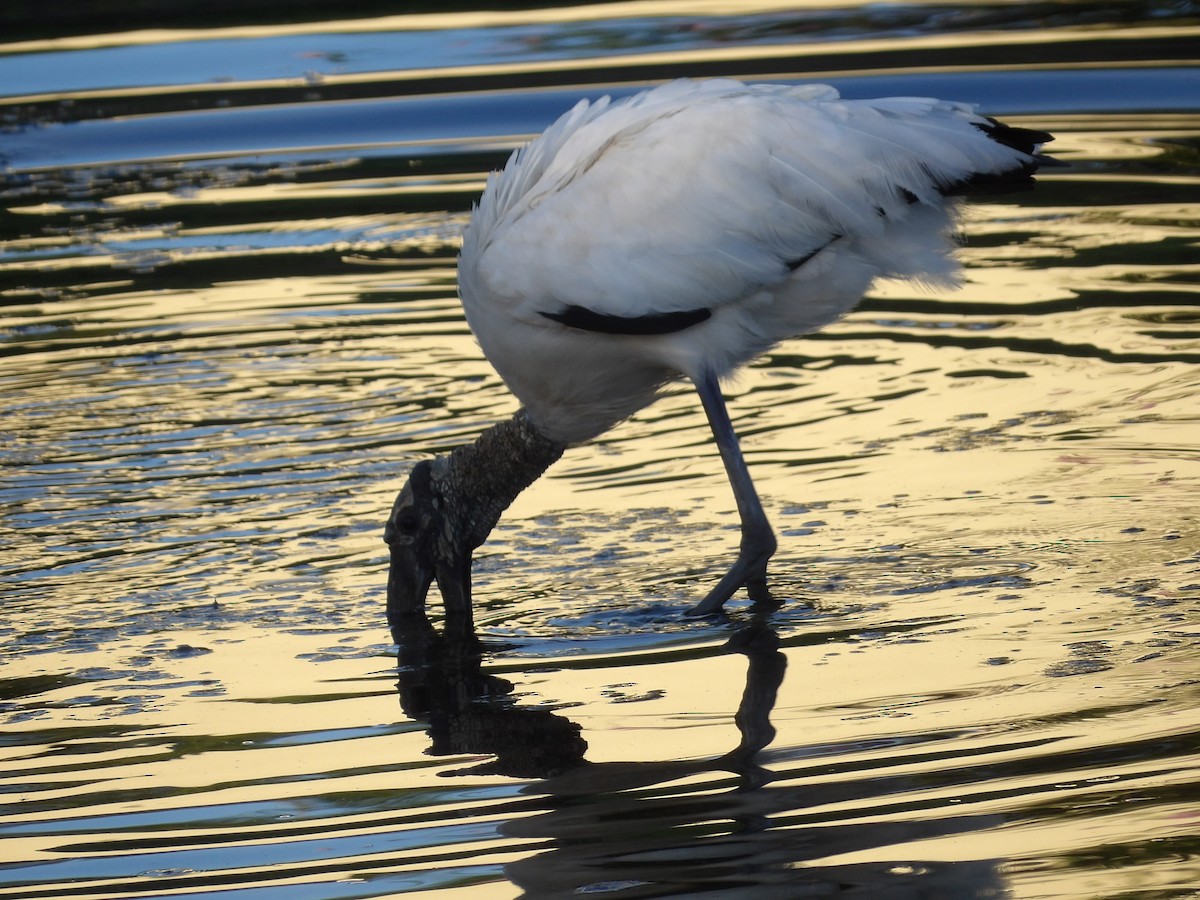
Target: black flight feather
{"x": 1019, "y": 177}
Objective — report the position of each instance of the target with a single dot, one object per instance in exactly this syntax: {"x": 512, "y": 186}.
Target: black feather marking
{"x": 794, "y": 264}
{"x": 1025, "y": 140}
{"x": 1020, "y": 177}
{"x": 605, "y": 323}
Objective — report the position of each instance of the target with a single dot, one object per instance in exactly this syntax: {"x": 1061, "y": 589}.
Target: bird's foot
{"x": 749, "y": 571}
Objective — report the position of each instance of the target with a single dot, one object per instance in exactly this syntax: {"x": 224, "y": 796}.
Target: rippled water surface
{"x": 229, "y": 327}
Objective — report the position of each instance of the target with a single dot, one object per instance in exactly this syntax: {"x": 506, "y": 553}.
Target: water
{"x": 229, "y": 328}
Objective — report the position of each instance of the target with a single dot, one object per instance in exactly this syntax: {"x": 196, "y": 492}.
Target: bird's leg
{"x": 758, "y": 540}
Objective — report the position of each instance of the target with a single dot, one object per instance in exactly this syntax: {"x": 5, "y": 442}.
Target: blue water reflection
{"x": 448, "y": 122}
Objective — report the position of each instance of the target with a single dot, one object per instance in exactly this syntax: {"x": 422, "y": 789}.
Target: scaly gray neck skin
{"x": 480, "y": 480}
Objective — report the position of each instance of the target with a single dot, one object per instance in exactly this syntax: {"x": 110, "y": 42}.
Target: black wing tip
{"x": 1024, "y": 140}
{"x": 1027, "y": 141}
{"x": 585, "y": 319}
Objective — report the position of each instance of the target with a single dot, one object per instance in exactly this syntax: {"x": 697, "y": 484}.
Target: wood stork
{"x": 678, "y": 234}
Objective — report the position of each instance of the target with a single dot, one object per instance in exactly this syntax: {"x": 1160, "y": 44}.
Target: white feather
{"x": 698, "y": 195}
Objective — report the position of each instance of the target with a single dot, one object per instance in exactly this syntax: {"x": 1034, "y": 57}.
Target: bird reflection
{"x": 442, "y": 683}
{"x": 468, "y": 711}
{"x": 634, "y": 828}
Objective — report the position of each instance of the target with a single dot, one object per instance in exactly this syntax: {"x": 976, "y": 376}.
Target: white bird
{"x": 680, "y": 233}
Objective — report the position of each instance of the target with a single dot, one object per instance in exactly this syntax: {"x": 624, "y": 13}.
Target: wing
{"x": 666, "y": 207}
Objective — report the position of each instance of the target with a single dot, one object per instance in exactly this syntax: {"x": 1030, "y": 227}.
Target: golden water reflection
{"x": 217, "y": 370}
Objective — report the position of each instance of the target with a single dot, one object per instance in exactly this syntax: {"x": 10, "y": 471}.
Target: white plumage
{"x": 697, "y": 195}
{"x": 682, "y": 232}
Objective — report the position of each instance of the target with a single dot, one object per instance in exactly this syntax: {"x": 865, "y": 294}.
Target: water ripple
{"x": 228, "y": 328}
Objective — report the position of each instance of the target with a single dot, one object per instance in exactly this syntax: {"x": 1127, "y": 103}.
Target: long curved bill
{"x": 454, "y": 582}
{"x": 408, "y": 584}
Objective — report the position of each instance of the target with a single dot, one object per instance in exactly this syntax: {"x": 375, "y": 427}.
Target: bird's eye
{"x": 406, "y": 522}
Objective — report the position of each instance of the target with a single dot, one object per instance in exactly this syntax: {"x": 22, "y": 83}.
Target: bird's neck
{"x": 481, "y": 479}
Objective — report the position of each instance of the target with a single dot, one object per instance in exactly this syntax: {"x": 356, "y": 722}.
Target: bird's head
{"x": 430, "y": 538}
{"x": 447, "y": 509}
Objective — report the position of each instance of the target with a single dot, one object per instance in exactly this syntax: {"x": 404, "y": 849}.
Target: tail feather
{"x": 1027, "y": 141}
